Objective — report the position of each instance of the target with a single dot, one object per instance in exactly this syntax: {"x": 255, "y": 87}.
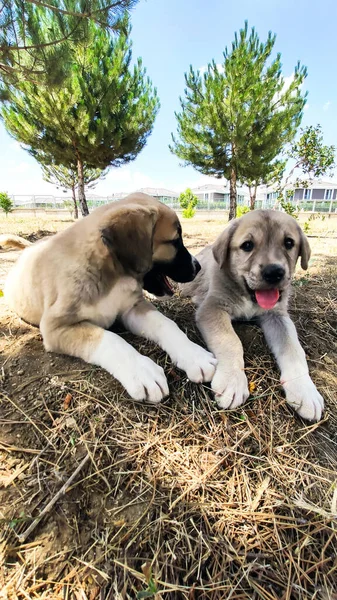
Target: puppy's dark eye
{"x": 247, "y": 246}
{"x": 289, "y": 243}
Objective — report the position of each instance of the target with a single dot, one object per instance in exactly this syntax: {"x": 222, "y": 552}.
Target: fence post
{"x": 314, "y": 206}
{"x": 330, "y": 207}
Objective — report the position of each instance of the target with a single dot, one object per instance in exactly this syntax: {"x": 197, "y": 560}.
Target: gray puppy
{"x": 247, "y": 274}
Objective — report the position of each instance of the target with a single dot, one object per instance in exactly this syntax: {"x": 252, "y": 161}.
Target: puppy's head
{"x": 259, "y": 251}
{"x": 146, "y": 238}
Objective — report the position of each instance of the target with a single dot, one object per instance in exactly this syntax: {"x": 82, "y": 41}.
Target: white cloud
{"x": 14, "y": 145}
{"x": 287, "y": 82}
{"x": 126, "y": 179}
{"x": 23, "y": 178}
{"x": 31, "y": 186}
{"x": 18, "y": 168}
{"x": 326, "y": 105}
{"x": 307, "y": 106}
{"x": 204, "y": 68}
{"x": 201, "y": 180}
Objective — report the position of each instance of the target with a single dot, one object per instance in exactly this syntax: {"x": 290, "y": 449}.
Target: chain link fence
{"x": 66, "y": 203}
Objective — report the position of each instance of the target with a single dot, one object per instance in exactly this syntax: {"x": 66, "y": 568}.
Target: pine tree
{"x": 102, "y": 115}
{"x": 236, "y": 118}
{"x": 67, "y": 178}
{"x": 35, "y": 36}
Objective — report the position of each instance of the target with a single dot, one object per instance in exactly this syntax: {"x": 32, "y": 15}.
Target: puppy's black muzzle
{"x": 182, "y": 269}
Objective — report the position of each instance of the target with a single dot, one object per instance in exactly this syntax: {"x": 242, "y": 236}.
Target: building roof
{"x": 210, "y": 187}
{"x": 220, "y": 189}
{"x": 317, "y": 184}
{"x": 158, "y": 192}
{"x": 119, "y": 195}
{"x": 322, "y": 184}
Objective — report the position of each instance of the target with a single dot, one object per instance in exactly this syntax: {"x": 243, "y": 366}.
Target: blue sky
{"x": 171, "y": 35}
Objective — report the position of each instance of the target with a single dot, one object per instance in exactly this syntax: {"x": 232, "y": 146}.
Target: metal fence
{"x": 66, "y": 203}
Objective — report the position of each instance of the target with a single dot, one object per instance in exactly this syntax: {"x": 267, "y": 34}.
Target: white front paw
{"x": 303, "y": 396}
{"x": 145, "y": 380}
{"x": 198, "y": 363}
{"x": 230, "y": 387}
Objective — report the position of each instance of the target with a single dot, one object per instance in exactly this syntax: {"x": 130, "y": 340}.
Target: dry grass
{"x": 25, "y": 225}
{"x": 180, "y": 501}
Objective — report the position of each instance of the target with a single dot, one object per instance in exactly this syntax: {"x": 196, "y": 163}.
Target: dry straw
{"x": 180, "y": 501}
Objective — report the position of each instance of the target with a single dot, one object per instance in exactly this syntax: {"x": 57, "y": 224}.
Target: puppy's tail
{"x": 13, "y": 241}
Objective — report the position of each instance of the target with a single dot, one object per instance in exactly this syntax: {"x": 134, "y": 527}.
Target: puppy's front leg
{"x": 144, "y": 320}
{"x": 141, "y": 377}
{"x": 229, "y": 382}
{"x": 301, "y": 393}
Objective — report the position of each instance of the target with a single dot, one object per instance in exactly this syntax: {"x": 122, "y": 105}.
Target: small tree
{"x": 68, "y": 180}
{"x": 62, "y": 177}
{"x": 6, "y": 203}
{"x": 237, "y": 117}
{"x": 312, "y": 158}
{"x": 101, "y": 117}
{"x": 270, "y": 177}
{"x": 188, "y": 202}
{"x": 311, "y": 155}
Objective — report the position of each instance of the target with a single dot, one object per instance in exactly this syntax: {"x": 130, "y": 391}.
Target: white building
{"x": 318, "y": 196}
{"x": 213, "y": 196}
{"x": 162, "y": 194}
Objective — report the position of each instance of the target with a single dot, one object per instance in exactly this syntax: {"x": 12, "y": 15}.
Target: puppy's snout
{"x": 196, "y": 266}
{"x": 273, "y": 273}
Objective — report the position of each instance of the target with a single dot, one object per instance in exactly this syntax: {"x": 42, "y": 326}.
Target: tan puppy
{"x": 75, "y": 284}
{"x": 246, "y": 274}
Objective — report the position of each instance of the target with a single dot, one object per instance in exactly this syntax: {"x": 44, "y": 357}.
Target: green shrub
{"x": 288, "y": 208}
{"x": 189, "y": 212}
{"x": 242, "y": 210}
{"x": 6, "y": 203}
{"x": 188, "y": 202}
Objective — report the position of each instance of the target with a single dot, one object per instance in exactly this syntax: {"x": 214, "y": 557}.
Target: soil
{"x": 56, "y": 409}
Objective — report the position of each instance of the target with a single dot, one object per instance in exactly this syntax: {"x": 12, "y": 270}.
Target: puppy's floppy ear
{"x": 304, "y": 251}
{"x": 220, "y": 247}
{"x": 128, "y": 235}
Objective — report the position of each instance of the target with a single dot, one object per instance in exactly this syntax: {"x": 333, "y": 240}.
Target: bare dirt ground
{"x": 105, "y": 498}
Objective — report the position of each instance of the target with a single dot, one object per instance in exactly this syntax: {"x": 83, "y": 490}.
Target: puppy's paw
{"x": 230, "y": 387}
{"x": 303, "y": 396}
{"x": 145, "y": 381}
{"x": 198, "y": 364}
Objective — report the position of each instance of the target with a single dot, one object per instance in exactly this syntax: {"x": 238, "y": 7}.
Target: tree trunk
{"x": 74, "y": 201}
{"x": 232, "y": 195}
{"x": 252, "y": 193}
{"x": 81, "y": 193}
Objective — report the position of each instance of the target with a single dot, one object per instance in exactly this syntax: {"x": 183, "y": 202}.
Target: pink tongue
{"x": 267, "y": 298}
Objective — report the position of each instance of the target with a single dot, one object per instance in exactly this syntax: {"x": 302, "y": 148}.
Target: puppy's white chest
{"x": 121, "y": 297}
{"x": 246, "y": 310}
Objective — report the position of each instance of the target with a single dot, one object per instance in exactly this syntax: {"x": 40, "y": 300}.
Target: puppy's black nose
{"x": 196, "y": 266}
{"x": 273, "y": 273}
